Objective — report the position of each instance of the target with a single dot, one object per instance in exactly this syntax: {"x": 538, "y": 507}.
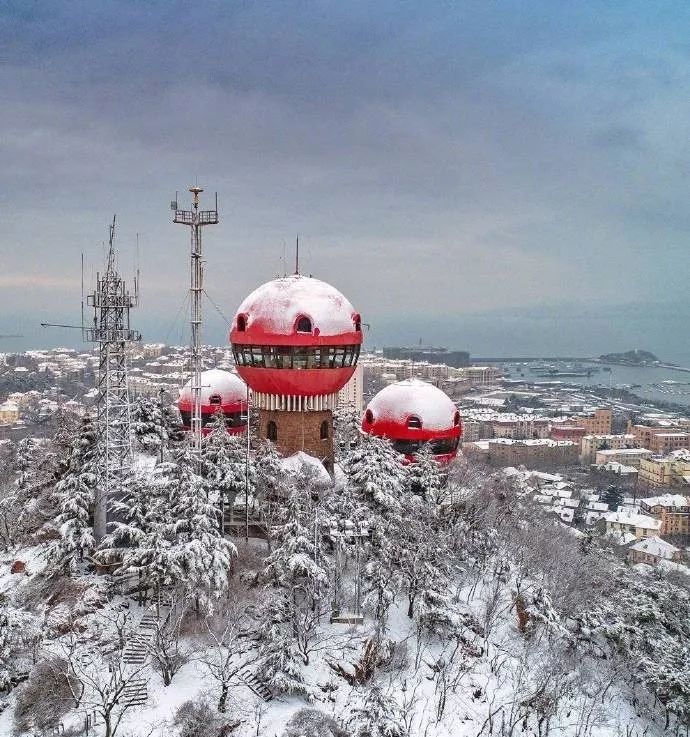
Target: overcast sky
{"x": 496, "y": 176}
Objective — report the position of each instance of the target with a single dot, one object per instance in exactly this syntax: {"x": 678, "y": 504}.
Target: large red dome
{"x": 413, "y": 412}
{"x": 219, "y": 389}
{"x": 296, "y": 336}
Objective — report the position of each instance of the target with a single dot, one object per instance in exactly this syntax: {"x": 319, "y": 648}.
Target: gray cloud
{"x": 437, "y": 159}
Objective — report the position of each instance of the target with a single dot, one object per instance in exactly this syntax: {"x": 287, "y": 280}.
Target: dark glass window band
{"x": 296, "y": 357}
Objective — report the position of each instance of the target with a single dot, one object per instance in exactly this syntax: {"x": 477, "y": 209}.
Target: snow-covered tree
{"x": 379, "y": 716}
{"x": 203, "y": 555}
{"x": 347, "y": 421}
{"x": 20, "y": 634}
{"x": 426, "y": 475}
{"x": 271, "y": 484}
{"x": 376, "y": 471}
{"x": 149, "y": 425}
{"x": 74, "y": 496}
{"x": 296, "y": 573}
{"x": 225, "y": 467}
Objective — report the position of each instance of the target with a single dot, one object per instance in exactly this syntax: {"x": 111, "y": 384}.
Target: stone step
{"x": 255, "y": 685}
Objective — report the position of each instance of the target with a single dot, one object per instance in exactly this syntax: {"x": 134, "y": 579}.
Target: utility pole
{"x": 195, "y": 219}
{"x": 111, "y": 304}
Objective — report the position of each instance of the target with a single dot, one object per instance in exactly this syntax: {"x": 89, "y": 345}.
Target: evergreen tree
{"x": 149, "y": 425}
{"x": 297, "y": 574}
{"x": 74, "y": 496}
{"x": 613, "y": 497}
{"x": 426, "y": 475}
{"x": 347, "y": 422}
{"x": 271, "y": 482}
{"x": 202, "y": 554}
{"x": 379, "y": 716}
{"x": 376, "y": 471}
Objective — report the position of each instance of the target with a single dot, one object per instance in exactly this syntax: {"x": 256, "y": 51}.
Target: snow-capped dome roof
{"x": 276, "y": 306}
{"x": 228, "y": 386}
{"x": 397, "y": 403}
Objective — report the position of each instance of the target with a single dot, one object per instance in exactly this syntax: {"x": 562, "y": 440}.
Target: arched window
{"x": 324, "y": 430}
{"x": 456, "y": 419}
{"x": 414, "y": 423}
{"x": 241, "y": 323}
{"x": 303, "y": 325}
{"x": 214, "y": 399}
{"x": 358, "y": 323}
{"x": 272, "y": 431}
{"x": 369, "y": 416}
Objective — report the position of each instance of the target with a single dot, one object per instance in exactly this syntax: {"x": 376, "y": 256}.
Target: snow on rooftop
{"x": 276, "y": 305}
{"x": 636, "y": 520}
{"x": 216, "y": 381}
{"x": 666, "y": 500}
{"x": 656, "y": 546}
{"x": 398, "y": 401}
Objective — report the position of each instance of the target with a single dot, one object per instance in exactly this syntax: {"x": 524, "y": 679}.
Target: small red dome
{"x": 296, "y": 336}
{"x": 411, "y": 413}
{"x": 219, "y": 389}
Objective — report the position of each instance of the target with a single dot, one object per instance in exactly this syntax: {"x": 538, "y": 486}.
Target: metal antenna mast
{"x": 111, "y": 304}
{"x": 196, "y": 219}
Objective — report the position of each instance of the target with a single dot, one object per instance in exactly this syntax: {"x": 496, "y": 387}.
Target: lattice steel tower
{"x": 196, "y": 219}
{"x": 111, "y": 304}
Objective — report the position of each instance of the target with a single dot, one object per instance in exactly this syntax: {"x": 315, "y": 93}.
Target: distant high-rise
{"x": 457, "y": 359}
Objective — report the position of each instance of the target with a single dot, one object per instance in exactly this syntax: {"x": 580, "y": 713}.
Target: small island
{"x": 635, "y": 357}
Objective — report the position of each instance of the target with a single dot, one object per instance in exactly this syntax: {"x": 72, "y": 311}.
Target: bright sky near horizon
{"x": 503, "y": 176}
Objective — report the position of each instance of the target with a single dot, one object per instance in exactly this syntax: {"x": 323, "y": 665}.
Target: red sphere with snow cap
{"x": 296, "y": 337}
{"x": 413, "y": 412}
{"x": 219, "y": 389}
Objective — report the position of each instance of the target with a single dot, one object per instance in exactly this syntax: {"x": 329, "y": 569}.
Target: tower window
{"x": 303, "y": 325}
{"x": 241, "y": 323}
{"x": 272, "y": 432}
{"x": 369, "y": 416}
{"x": 324, "y": 430}
{"x": 214, "y": 399}
{"x": 414, "y": 423}
{"x": 456, "y": 419}
{"x": 358, "y": 323}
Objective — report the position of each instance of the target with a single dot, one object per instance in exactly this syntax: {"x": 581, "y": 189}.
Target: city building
{"x": 653, "y": 550}
{"x": 353, "y": 391}
{"x": 567, "y": 432}
{"x": 537, "y": 453}
{"x": 627, "y": 456}
{"x": 645, "y": 432}
{"x": 220, "y": 390}
{"x": 411, "y": 413}
{"x": 9, "y": 413}
{"x": 668, "y": 471}
{"x": 630, "y": 523}
{"x": 590, "y": 444}
{"x": 666, "y": 442}
{"x": 296, "y": 342}
{"x": 598, "y": 422}
{"x": 672, "y": 510}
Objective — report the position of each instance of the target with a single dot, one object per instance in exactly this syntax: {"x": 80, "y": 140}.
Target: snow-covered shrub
{"x": 197, "y": 718}
{"x": 313, "y": 723}
{"x": 45, "y": 698}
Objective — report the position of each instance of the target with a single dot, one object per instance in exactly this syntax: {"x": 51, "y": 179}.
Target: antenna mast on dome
{"x": 297, "y": 257}
{"x": 196, "y": 219}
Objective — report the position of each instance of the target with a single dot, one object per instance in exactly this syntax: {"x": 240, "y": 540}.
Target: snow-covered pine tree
{"x": 141, "y": 541}
{"x": 376, "y": 471}
{"x": 379, "y": 716}
{"x": 426, "y": 475}
{"x": 225, "y": 466}
{"x": 347, "y": 420}
{"x": 149, "y": 425}
{"x": 74, "y": 497}
{"x": 296, "y": 573}
{"x": 203, "y": 555}
{"x": 271, "y": 484}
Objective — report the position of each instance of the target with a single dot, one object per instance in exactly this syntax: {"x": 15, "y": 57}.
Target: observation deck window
{"x": 303, "y": 324}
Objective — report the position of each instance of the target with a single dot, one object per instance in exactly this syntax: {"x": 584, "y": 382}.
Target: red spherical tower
{"x": 412, "y": 412}
{"x": 296, "y": 342}
{"x": 219, "y": 389}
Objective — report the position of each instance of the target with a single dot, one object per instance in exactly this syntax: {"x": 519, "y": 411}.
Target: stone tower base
{"x": 295, "y": 431}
